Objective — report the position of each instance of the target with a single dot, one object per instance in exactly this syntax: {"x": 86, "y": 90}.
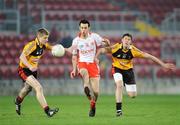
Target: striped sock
{"x": 19, "y": 100}
{"x": 46, "y": 109}
{"x": 118, "y": 106}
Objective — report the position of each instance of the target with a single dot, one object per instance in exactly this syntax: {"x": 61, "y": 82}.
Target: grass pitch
{"x": 143, "y": 110}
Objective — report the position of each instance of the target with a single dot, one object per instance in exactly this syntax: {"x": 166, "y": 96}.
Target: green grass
{"x": 144, "y": 110}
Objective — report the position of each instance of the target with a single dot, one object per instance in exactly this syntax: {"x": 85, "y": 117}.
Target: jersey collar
{"x": 38, "y": 43}
{"x": 121, "y": 46}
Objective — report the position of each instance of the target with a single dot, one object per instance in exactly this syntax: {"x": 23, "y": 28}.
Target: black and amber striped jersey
{"x": 123, "y": 59}
{"x": 33, "y": 52}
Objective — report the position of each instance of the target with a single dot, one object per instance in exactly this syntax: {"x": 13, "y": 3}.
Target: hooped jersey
{"x": 123, "y": 59}
{"x": 86, "y": 48}
{"x": 33, "y": 52}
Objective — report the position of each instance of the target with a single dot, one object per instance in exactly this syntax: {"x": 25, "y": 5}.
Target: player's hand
{"x": 107, "y": 42}
{"x": 73, "y": 74}
{"x": 33, "y": 69}
{"x": 169, "y": 66}
{"x": 68, "y": 50}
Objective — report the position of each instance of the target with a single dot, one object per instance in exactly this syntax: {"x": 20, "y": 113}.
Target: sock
{"x": 46, "y": 109}
{"x": 19, "y": 100}
{"x": 87, "y": 92}
{"x": 118, "y": 106}
{"x": 93, "y": 104}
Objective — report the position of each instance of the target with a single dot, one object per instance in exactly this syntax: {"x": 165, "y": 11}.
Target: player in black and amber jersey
{"x": 122, "y": 67}
{"x": 27, "y": 70}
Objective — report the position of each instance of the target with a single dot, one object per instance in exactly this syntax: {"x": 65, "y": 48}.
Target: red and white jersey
{"x": 86, "y": 48}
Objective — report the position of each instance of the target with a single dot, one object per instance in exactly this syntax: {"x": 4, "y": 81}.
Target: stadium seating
{"x": 10, "y": 48}
{"x": 4, "y": 72}
{"x": 8, "y": 72}
{"x": 2, "y": 17}
{"x": 53, "y": 67}
{"x": 144, "y": 72}
{"x": 44, "y": 72}
{"x": 177, "y": 72}
{"x": 69, "y": 5}
{"x": 157, "y": 14}
{"x": 157, "y": 9}
{"x": 66, "y": 5}
{"x": 163, "y": 73}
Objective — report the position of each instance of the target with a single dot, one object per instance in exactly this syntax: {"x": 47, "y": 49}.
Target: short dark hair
{"x": 127, "y": 34}
{"x": 43, "y": 31}
{"x": 84, "y": 21}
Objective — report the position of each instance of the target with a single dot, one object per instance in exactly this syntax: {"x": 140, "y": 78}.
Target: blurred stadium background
{"x": 155, "y": 25}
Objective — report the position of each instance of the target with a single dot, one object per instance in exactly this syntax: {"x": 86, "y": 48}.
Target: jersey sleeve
{"x": 115, "y": 47}
{"x": 29, "y": 48}
{"x": 48, "y": 46}
{"x": 137, "y": 53}
{"x": 98, "y": 39}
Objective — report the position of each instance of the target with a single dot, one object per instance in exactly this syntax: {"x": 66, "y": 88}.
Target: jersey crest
{"x": 123, "y": 55}
{"x": 38, "y": 51}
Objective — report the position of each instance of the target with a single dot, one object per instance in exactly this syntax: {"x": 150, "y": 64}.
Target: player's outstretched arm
{"x": 101, "y": 51}
{"x": 70, "y": 49}
{"x": 104, "y": 50}
{"x": 155, "y": 59}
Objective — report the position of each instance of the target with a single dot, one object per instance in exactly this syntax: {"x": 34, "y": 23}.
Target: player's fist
{"x": 73, "y": 74}
{"x": 107, "y": 42}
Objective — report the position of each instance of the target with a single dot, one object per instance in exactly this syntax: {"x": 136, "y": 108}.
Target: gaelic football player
{"x": 122, "y": 67}
{"x": 84, "y": 50}
{"x": 27, "y": 70}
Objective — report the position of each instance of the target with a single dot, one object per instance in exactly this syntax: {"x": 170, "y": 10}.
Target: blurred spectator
{"x": 66, "y": 41}
{"x": 54, "y": 34}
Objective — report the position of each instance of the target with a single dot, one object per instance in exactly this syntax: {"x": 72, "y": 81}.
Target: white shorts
{"x": 129, "y": 88}
{"x": 117, "y": 77}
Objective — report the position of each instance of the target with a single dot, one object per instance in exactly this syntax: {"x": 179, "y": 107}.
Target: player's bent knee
{"x": 96, "y": 93}
{"x": 95, "y": 90}
{"x": 132, "y": 95}
{"x": 83, "y": 72}
{"x": 29, "y": 89}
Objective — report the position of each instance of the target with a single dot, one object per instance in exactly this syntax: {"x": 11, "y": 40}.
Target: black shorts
{"x": 128, "y": 75}
{"x": 25, "y": 72}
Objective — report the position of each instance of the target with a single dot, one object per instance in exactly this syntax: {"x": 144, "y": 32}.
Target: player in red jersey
{"x": 84, "y": 50}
